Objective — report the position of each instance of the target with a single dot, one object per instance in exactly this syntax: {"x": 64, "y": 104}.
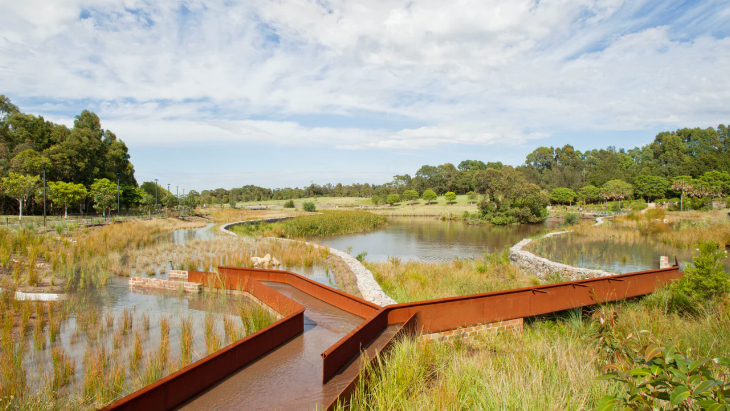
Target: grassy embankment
{"x": 327, "y": 223}
{"x": 417, "y": 280}
{"x": 551, "y": 365}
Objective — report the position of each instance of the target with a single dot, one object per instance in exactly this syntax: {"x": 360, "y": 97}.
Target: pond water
{"x": 429, "y": 239}
{"x": 146, "y": 306}
{"x": 612, "y": 255}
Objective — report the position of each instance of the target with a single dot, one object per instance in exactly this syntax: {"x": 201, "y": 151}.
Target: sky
{"x": 283, "y": 93}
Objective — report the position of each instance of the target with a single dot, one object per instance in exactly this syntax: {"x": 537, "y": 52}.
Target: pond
{"x": 612, "y": 255}
{"x": 118, "y": 326}
{"x": 429, "y": 239}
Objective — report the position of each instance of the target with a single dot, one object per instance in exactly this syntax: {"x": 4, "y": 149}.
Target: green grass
{"x": 418, "y": 280}
{"x": 551, "y": 365}
{"x": 327, "y": 223}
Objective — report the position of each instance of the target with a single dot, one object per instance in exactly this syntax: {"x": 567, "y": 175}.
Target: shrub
{"x": 450, "y": 197}
{"x": 503, "y": 220}
{"x": 289, "y": 204}
{"x": 375, "y": 199}
{"x": 429, "y": 196}
{"x": 392, "y": 199}
{"x": 570, "y": 219}
{"x": 309, "y": 206}
{"x": 361, "y": 257}
{"x": 704, "y": 280}
{"x": 665, "y": 379}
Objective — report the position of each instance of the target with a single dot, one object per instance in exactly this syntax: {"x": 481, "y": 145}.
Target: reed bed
{"x": 417, "y": 280}
{"x": 78, "y": 259}
{"x": 116, "y": 353}
{"x": 207, "y": 255}
{"x": 681, "y": 230}
{"x": 327, "y": 223}
{"x": 551, "y": 365}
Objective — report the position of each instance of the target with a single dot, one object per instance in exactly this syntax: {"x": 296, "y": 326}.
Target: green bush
{"x": 375, "y": 199}
{"x": 361, "y": 257}
{"x": 570, "y": 219}
{"x": 704, "y": 280}
{"x": 392, "y": 199}
{"x": 664, "y": 379}
{"x": 450, "y": 197}
{"x": 289, "y": 204}
{"x": 429, "y": 195}
{"x": 309, "y": 206}
{"x": 502, "y": 219}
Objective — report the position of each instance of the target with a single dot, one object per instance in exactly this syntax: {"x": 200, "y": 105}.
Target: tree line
{"x": 81, "y": 164}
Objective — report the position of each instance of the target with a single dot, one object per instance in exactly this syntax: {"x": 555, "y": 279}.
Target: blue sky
{"x": 223, "y": 94}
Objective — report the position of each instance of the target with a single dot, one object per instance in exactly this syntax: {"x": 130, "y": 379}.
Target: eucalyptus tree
{"x": 66, "y": 194}
{"x": 19, "y": 187}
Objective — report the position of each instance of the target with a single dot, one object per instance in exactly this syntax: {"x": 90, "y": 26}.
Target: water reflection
{"x": 428, "y": 239}
{"x": 613, "y": 254}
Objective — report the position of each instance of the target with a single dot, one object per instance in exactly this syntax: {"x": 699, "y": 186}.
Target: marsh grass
{"x": 551, "y": 365}
{"x": 417, "y": 280}
{"x": 253, "y": 316}
{"x": 212, "y": 339}
{"x": 327, "y": 223}
{"x": 186, "y": 340}
{"x": 63, "y": 368}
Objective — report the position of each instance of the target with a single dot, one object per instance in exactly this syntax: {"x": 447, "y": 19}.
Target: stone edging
{"x": 542, "y": 266}
{"x": 369, "y": 288}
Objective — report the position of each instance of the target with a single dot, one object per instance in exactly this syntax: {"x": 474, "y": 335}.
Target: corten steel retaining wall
{"x": 173, "y": 390}
{"x": 451, "y": 313}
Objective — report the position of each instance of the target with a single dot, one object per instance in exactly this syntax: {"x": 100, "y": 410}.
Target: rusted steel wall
{"x": 341, "y": 300}
{"x": 456, "y": 312}
{"x": 176, "y": 388}
{"x": 410, "y": 327}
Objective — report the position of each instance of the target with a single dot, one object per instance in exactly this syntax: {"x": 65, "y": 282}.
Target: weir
{"x": 280, "y": 366}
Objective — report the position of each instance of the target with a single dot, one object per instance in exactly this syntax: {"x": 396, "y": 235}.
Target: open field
{"x": 419, "y": 208}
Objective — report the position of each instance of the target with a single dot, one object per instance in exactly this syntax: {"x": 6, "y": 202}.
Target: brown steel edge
{"x": 430, "y": 316}
{"x": 455, "y": 312}
{"x": 173, "y": 390}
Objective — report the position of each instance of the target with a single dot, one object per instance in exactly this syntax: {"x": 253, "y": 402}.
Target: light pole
{"x": 118, "y": 209}
{"x": 177, "y": 196}
{"x": 155, "y": 196}
{"x": 44, "y": 194}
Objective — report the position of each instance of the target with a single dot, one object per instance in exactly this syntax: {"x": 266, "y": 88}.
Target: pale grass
{"x": 418, "y": 280}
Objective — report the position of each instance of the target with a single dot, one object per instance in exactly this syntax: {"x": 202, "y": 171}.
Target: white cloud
{"x": 469, "y": 72}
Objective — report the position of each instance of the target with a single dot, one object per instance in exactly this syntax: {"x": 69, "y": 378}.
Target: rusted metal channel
{"x": 427, "y": 316}
{"x": 451, "y": 313}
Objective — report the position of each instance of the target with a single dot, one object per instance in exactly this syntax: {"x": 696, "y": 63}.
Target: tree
{"x": 375, "y": 199}
{"x": 450, "y": 197}
{"x": 562, "y": 195}
{"x": 683, "y": 184}
{"x": 104, "y": 193}
{"x": 651, "y": 187}
{"x": 66, "y": 194}
{"x": 472, "y": 196}
{"x": 718, "y": 179}
{"x": 589, "y": 193}
{"x": 191, "y": 200}
{"x": 392, "y": 199}
{"x": 170, "y": 201}
{"x": 19, "y": 187}
{"x": 28, "y": 162}
{"x": 429, "y": 195}
{"x": 147, "y": 202}
{"x": 617, "y": 190}
{"x": 410, "y": 195}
